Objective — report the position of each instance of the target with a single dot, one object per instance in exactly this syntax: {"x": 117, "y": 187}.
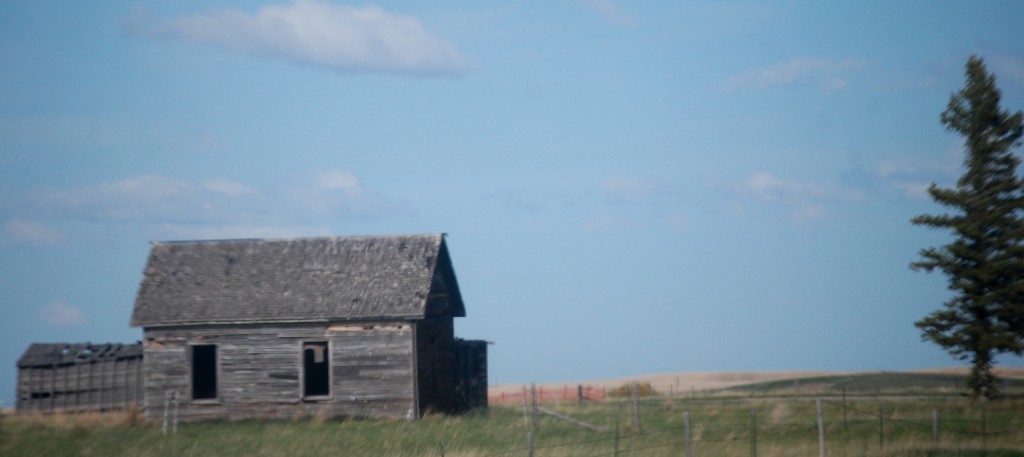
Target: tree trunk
{"x": 981, "y": 381}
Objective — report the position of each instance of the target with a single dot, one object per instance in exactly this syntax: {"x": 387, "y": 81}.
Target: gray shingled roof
{"x": 63, "y": 354}
{"x": 297, "y": 280}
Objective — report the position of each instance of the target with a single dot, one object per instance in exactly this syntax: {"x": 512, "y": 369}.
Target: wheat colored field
{"x": 683, "y": 382}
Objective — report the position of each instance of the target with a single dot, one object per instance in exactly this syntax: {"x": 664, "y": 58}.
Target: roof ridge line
{"x": 442, "y": 235}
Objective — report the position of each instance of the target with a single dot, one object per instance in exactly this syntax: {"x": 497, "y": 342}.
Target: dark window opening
{"x": 315, "y": 370}
{"x": 204, "y": 372}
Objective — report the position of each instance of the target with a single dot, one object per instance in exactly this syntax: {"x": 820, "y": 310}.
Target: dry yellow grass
{"x": 130, "y": 417}
{"x": 684, "y": 382}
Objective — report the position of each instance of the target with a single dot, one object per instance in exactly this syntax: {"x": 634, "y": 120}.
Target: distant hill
{"x": 932, "y": 381}
{"x": 872, "y": 383}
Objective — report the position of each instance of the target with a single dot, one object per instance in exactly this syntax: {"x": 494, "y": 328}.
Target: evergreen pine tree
{"x": 985, "y": 262}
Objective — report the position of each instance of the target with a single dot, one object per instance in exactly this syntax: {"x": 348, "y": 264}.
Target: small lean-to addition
{"x": 335, "y": 326}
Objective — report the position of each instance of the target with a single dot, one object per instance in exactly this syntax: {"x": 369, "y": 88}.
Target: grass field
{"x": 736, "y": 426}
{"x": 892, "y": 383}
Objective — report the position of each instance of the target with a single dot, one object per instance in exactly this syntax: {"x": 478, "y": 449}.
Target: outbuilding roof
{"x": 64, "y": 354}
{"x": 297, "y": 280}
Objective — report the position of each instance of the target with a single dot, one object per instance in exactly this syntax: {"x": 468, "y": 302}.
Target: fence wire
{"x": 889, "y": 420}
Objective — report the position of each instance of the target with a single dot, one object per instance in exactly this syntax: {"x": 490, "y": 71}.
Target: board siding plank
{"x": 260, "y": 370}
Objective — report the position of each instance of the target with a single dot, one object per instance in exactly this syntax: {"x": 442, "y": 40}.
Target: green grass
{"x": 871, "y": 383}
{"x": 719, "y": 427}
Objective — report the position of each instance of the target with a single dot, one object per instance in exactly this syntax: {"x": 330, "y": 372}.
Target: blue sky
{"x": 628, "y": 187}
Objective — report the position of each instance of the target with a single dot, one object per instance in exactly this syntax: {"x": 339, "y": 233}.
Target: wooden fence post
{"x": 533, "y": 410}
{"x": 532, "y": 419}
{"x": 753, "y": 432}
{"x": 174, "y": 429}
{"x": 171, "y": 400}
{"x": 881, "y": 427}
{"x": 636, "y": 409}
{"x": 821, "y": 430}
{"x": 616, "y": 452}
{"x": 526, "y": 414}
{"x": 686, "y": 435}
{"x": 167, "y": 410}
{"x": 935, "y": 427}
{"x": 529, "y": 443}
{"x": 845, "y": 425}
{"x": 984, "y": 431}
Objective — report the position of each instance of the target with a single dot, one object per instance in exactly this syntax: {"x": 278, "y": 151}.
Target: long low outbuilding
{"x": 74, "y": 377}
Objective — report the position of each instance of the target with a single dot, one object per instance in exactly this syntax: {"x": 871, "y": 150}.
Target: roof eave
{"x": 208, "y": 323}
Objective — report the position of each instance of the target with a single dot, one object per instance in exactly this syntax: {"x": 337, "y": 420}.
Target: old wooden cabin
{"x": 350, "y": 326}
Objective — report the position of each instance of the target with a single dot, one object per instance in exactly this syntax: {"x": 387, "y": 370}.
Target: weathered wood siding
{"x": 94, "y": 386}
{"x": 435, "y": 341}
{"x": 260, "y": 370}
{"x": 470, "y": 374}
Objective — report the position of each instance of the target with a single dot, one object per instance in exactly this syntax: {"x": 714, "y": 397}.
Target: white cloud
{"x": 764, "y": 186}
{"x": 913, "y": 176}
{"x": 829, "y": 75}
{"x": 339, "y": 180}
{"x": 237, "y": 231}
{"x": 142, "y": 198}
{"x": 161, "y": 207}
{"x": 335, "y": 192}
{"x": 611, "y": 12}
{"x": 338, "y": 37}
{"x": 142, "y": 187}
{"x": 228, "y": 187}
{"x": 26, "y": 232}
{"x": 61, "y": 314}
{"x": 806, "y": 200}
{"x": 912, "y": 167}
{"x": 768, "y": 188}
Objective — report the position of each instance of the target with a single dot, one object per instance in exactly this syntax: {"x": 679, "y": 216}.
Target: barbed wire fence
{"x": 874, "y": 424}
